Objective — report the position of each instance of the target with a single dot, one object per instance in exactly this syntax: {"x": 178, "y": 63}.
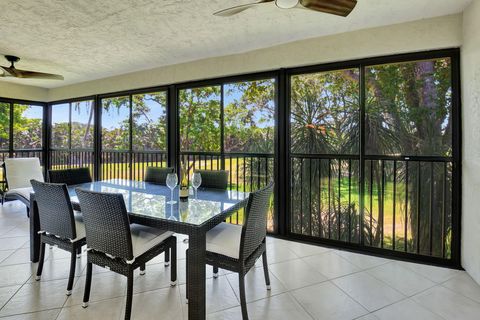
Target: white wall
{"x": 443, "y": 32}
{"x": 470, "y": 55}
{"x": 16, "y": 91}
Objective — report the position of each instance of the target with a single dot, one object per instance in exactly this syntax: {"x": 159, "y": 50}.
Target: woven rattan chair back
{"x": 255, "y": 222}
{"x": 70, "y": 176}
{"x": 107, "y": 226}
{"x": 54, "y": 209}
{"x": 158, "y": 175}
{"x": 217, "y": 179}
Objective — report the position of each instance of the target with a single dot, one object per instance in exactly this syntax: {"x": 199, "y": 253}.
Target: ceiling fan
{"x": 17, "y": 73}
{"x": 336, "y": 7}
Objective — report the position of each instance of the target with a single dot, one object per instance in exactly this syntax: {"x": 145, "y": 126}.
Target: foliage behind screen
{"x": 27, "y": 126}
{"x": 60, "y": 126}
{"x": 200, "y": 119}
{"x": 408, "y": 108}
{"x": 249, "y": 112}
{"x": 72, "y": 125}
{"x": 82, "y": 125}
{"x": 147, "y": 117}
{"x": 149, "y": 120}
{"x": 4, "y": 125}
{"x": 325, "y": 112}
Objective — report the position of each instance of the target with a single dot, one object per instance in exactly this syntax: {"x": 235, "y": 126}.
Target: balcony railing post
{"x": 281, "y": 160}
{"x": 362, "y": 96}
{"x": 173, "y": 131}
{"x": 46, "y": 129}
{"x": 97, "y": 143}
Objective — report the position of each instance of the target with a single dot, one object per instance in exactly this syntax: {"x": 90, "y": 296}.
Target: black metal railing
{"x": 130, "y": 164}
{"x": 66, "y": 159}
{"x": 406, "y": 203}
{"x": 247, "y": 172}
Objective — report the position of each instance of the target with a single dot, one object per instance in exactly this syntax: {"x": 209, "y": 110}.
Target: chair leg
{"x": 128, "y": 306}
{"x": 167, "y": 258}
{"x": 215, "y": 272}
{"x": 40, "y": 261}
{"x": 28, "y": 212}
{"x": 173, "y": 269}
{"x": 243, "y": 300}
{"x": 186, "y": 269}
{"x": 142, "y": 269}
{"x": 73, "y": 262}
{"x": 88, "y": 285}
{"x": 265, "y": 270}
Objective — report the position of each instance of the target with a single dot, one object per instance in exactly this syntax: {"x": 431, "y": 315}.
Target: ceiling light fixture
{"x": 286, "y": 4}
{"x": 336, "y": 7}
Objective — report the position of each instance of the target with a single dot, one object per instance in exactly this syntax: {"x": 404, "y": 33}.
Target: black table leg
{"x": 196, "y": 277}
{"x": 34, "y": 228}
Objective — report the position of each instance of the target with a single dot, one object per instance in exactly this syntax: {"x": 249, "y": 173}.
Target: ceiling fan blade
{"x": 10, "y": 71}
{"x": 17, "y": 73}
{"x": 336, "y": 7}
{"x": 237, "y": 9}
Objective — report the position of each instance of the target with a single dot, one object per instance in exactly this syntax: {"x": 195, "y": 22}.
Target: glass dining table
{"x": 147, "y": 205}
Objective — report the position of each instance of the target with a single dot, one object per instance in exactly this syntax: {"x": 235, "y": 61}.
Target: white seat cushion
{"x": 144, "y": 238}
{"x": 225, "y": 239}
{"x": 22, "y": 192}
{"x": 19, "y": 172}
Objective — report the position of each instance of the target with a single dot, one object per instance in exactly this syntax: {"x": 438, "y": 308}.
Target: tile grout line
{"x": 21, "y": 286}
{"x": 33, "y": 312}
{"x": 301, "y": 305}
{"x": 442, "y": 284}
{"x": 405, "y": 297}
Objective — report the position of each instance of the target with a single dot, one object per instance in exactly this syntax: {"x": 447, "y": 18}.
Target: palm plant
{"x": 407, "y": 113}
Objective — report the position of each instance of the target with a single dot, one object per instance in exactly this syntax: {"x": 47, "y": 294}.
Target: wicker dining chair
{"x": 236, "y": 248}
{"x": 70, "y": 176}
{"x": 157, "y": 175}
{"x": 59, "y": 225}
{"x": 115, "y": 244}
{"x": 216, "y": 179}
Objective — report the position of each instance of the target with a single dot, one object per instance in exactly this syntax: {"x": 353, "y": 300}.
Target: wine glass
{"x": 196, "y": 182}
{"x": 172, "y": 217}
{"x": 172, "y": 181}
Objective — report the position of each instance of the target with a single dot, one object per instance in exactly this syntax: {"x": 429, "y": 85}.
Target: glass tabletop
{"x": 143, "y": 198}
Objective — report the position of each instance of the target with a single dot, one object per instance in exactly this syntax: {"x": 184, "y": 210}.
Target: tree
{"x": 200, "y": 119}
{"x": 27, "y": 130}
{"x": 408, "y": 112}
{"x": 249, "y": 114}
{"x": 324, "y": 121}
{"x": 4, "y": 125}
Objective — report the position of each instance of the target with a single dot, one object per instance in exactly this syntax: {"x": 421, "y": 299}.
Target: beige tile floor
{"x": 308, "y": 282}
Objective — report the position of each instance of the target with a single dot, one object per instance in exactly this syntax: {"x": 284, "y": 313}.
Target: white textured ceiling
{"x": 92, "y": 39}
